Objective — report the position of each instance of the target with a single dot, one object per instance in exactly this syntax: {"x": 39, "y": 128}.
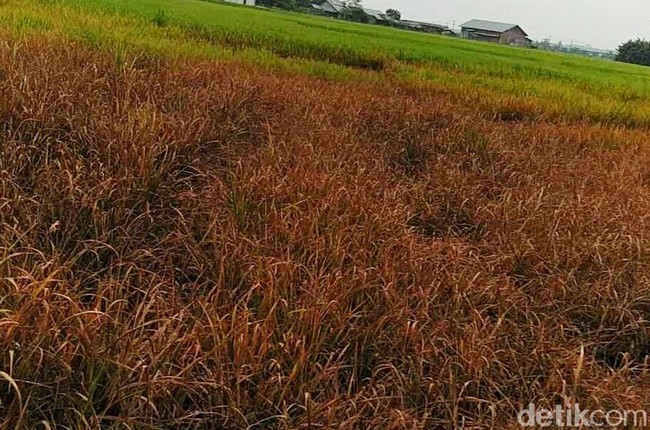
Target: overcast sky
{"x": 600, "y": 23}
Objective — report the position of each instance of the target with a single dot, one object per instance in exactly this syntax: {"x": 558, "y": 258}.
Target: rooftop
{"x": 336, "y": 4}
{"x": 423, "y": 24}
{"x": 374, "y": 12}
{"x": 498, "y": 27}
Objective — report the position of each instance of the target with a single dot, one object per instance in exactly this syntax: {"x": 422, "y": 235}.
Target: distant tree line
{"x": 635, "y": 52}
{"x": 353, "y": 9}
{"x": 394, "y": 14}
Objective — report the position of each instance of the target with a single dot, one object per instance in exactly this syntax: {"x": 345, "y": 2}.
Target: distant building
{"x": 375, "y": 16}
{"x": 425, "y": 27}
{"x": 495, "y": 32}
{"x": 329, "y": 7}
{"x": 451, "y": 32}
{"x": 245, "y": 2}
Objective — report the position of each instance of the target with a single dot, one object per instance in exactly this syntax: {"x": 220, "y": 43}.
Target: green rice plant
{"x": 160, "y": 19}
{"x": 566, "y": 87}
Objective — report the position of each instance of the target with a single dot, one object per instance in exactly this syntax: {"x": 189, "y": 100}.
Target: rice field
{"x": 223, "y": 217}
{"x": 561, "y": 87}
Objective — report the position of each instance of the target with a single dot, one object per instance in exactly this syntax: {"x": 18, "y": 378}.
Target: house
{"x": 451, "y": 32}
{"x": 425, "y": 27}
{"x": 333, "y": 8}
{"x": 495, "y": 32}
{"x": 244, "y": 2}
{"x": 375, "y": 16}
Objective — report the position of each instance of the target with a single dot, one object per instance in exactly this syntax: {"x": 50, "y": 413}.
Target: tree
{"x": 634, "y": 51}
{"x": 394, "y": 14}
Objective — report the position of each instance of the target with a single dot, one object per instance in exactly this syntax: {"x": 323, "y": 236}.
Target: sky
{"x": 599, "y": 23}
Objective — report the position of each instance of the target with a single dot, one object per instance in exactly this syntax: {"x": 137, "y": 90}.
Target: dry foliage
{"x": 196, "y": 245}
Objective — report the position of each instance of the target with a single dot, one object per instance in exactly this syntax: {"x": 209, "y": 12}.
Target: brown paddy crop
{"x": 194, "y": 244}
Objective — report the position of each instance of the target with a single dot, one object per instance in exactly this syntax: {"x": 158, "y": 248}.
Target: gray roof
{"x": 423, "y": 24}
{"x": 498, "y": 27}
{"x": 374, "y": 12}
{"x": 335, "y": 5}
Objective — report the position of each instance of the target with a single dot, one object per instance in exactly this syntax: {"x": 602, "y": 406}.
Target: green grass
{"x": 564, "y": 87}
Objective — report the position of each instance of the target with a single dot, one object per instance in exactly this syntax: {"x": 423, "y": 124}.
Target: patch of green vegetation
{"x": 566, "y": 87}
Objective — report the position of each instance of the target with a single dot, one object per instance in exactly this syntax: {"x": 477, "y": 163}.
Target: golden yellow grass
{"x": 209, "y": 245}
